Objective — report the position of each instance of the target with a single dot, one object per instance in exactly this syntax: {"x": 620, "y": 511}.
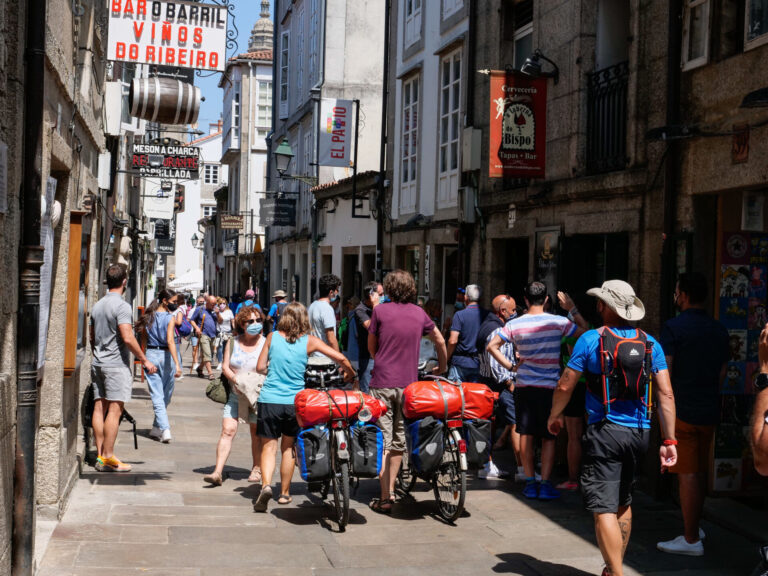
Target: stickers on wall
{"x": 733, "y": 383}
{"x": 737, "y": 344}
{"x": 736, "y": 248}
{"x": 727, "y": 475}
{"x": 734, "y": 281}
{"x": 756, "y": 316}
{"x": 757, "y": 278}
{"x": 759, "y": 249}
{"x": 733, "y": 313}
{"x": 753, "y": 343}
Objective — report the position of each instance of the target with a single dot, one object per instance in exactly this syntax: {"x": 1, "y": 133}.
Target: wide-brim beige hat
{"x": 279, "y": 294}
{"x": 621, "y": 298}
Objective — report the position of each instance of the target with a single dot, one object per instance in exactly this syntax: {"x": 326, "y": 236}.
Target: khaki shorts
{"x": 693, "y": 448}
{"x": 206, "y": 348}
{"x": 391, "y": 423}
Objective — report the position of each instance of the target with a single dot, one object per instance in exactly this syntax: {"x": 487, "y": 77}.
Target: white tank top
{"x": 241, "y": 361}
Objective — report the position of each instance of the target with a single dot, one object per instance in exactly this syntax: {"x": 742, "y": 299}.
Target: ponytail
{"x": 146, "y": 320}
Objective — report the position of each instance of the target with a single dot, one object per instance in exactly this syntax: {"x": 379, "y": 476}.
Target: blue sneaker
{"x": 531, "y": 489}
{"x": 547, "y": 491}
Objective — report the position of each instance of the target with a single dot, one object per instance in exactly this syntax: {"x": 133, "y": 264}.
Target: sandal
{"x": 255, "y": 476}
{"x": 284, "y": 499}
{"x": 262, "y": 502}
{"x": 214, "y": 478}
{"x": 380, "y": 507}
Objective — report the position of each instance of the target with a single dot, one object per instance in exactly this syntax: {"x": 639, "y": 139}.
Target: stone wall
{"x": 12, "y": 25}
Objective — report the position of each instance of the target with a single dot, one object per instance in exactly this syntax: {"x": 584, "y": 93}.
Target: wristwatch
{"x": 761, "y": 382}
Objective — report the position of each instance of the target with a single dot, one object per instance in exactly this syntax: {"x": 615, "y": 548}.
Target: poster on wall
{"x": 334, "y": 143}
{"x": 46, "y": 270}
{"x": 518, "y": 134}
{"x": 753, "y": 211}
{"x": 178, "y": 34}
{"x": 548, "y": 258}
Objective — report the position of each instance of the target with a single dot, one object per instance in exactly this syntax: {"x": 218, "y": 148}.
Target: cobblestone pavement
{"x": 161, "y": 519}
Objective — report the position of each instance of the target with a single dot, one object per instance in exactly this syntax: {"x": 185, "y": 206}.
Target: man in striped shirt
{"x": 537, "y": 337}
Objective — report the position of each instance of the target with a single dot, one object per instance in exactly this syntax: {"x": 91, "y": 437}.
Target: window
{"x": 523, "y": 35}
{"x": 209, "y": 211}
{"x": 409, "y": 151}
{"x": 264, "y": 114}
{"x": 412, "y": 22}
{"x": 756, "y": 23}
{"x": 284, "y": 44}
{"x": 314, "y": 49}
{"x": 695, "y": 33}
{"x": 450, "y": 7}
{"x": 450, "y": 106}
{"x": 211, "y": 174}
{"x": 236, "y": 108}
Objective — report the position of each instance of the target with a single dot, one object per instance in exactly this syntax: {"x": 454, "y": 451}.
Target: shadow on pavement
{"x": 524, "y": 565}
{"x": 124, "y": 478}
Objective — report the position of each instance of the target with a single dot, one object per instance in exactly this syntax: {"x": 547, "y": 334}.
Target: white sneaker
{"x": 155, "y": 432}
{"x": 195, "y": 366}
{"x": 702, "y": 534}
{"x": 520, "y": 474}
{"x": 680, "y": 546}
{"x": 218, "y": 367}
{"x": 493, "y": 470}
{"x": 166, "y": 437}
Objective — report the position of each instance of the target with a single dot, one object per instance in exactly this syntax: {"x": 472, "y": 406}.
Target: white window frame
{"x": 409, "y": 152}
{"x": 687, "y": 62}
{"x": 211, "y": 174}
{"x": 236, "y": 110}
{"x": 314, "y": 25}
{"x": 264, "y": 105}
{"x": 451, "y": 7}
{"x": 519, "y": 34}
{"x": 285, "y": 48}
{"x": 449, "y": 129}
{"x": 208, "y": 210}
{"x": 300, "y": 55}
{"x": 412, "y": 11}
{"x": 757, "y": 41}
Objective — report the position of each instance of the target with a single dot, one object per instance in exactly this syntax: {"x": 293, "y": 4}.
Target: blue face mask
{"x": 334, "y": 298}
{"x": 458, "y": 305}
{"x": 384, "y": 299}
{"x": 254, "y": 329}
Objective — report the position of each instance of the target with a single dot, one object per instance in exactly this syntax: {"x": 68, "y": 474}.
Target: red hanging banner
{"x": 518, "y": 126}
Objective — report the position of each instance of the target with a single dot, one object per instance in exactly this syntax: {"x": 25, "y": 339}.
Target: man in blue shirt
{"x": 273, "y": 317}
{"x": 697, "y": 352}
{"x": 464, "y": 363}
{"x": 204, "y": 322}
{"x": 616, "y": 439}
{"x": 249, "y": 301}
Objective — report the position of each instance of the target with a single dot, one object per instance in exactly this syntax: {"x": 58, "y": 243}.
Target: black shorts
{"x": 532, "y": 408}
{"x": 612, "y": 456}
{"x": 577, "y": 405}
{"x": 275, "y": 420}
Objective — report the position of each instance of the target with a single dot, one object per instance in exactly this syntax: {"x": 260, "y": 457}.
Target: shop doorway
{"x": 514, "y": 263}
{"x": 348, "y": 274}
{"x": 588, "y": 260}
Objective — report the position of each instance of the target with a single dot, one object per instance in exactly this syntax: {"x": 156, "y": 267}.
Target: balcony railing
{"x": 607, "y": 118}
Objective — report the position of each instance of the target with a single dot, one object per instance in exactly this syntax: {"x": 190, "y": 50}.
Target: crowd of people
{"x": 551, "y": 370}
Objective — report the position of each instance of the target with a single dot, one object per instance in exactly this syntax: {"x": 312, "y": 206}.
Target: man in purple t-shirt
{"x": 394, "y": 337}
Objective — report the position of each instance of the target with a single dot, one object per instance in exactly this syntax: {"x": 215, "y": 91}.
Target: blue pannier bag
{"x": 425, "y": 444}
{"x": 477, "y": 434}
{"x": 366, "y": 450}
{"x": 313, "y": 448}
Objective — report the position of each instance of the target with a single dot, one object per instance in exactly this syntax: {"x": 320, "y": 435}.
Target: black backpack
{"x": 280, "y": 307}
{"x": 625, "y": 365}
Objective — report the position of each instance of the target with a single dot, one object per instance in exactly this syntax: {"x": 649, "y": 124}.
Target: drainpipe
{"x": 671, "y": 175}
{"x": 31, "y": 258}
{"x": 382, "y": 189}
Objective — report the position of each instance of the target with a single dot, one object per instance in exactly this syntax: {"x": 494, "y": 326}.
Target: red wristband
{"x": 669, "y": 442}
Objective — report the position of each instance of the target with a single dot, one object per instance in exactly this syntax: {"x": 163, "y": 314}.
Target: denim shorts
{"x": 231, "y": 409}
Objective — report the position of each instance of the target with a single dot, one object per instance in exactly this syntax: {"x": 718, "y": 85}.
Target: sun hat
{"x": 279, "y": 294}
{"x": 620, "y": 297}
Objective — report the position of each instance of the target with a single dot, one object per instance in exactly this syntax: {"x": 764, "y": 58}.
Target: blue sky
{"x": 246, "y": 14}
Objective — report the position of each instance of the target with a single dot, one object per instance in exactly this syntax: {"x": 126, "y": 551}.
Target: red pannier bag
{"x": 478, "y": 401}
{"x": 432, "y": 398}
{"x": 377, "y": 407}
{"x": 319, "y": 407}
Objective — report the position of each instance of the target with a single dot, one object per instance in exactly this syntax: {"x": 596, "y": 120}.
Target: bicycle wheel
{"x": 340, "y": 481}
{"x": 406, "y": 477}
{"x": 450, "y": 485}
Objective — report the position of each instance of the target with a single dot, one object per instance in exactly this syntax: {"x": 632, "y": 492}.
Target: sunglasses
{"x": 249, "y": 322}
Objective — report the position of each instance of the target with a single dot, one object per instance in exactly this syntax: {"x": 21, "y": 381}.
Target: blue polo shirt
{"x": 586, "y": 358}
{"x": 698, "y": 345}
{"x": 209, "y": 325}
{"x": 467, "y": 323}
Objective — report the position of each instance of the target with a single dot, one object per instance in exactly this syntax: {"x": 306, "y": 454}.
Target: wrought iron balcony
{"x": 607, "y": 118}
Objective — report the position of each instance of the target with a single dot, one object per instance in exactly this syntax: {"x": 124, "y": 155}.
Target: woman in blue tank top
{"x": 284, "y": 359}
{"x": 157, "y": 328}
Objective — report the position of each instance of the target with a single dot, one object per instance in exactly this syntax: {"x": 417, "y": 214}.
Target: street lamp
{"x": 198, "y": 241}
{"x": 283, "y": 156}
{"x": 532, "y": 67}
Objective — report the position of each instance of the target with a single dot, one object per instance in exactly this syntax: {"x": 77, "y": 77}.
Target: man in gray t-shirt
{"x": 112, "y": 342}
{"x": 322, "y": 318}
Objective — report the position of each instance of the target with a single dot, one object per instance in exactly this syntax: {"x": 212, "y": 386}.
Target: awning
{"x": 190, "y": 280}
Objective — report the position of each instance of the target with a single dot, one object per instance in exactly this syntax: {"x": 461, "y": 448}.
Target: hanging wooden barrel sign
{"x": 164, "y": 100}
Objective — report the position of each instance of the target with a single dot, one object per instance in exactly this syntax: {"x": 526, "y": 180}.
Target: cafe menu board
{"x": 742, "y": 310}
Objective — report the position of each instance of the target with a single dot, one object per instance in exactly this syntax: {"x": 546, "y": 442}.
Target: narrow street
{"x": 162, "y": 519}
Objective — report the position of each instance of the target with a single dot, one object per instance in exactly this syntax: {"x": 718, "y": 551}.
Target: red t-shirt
{"x": 399, "y": 328}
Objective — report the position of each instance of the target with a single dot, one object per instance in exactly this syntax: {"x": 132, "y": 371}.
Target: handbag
{"x": 218, "y": 390}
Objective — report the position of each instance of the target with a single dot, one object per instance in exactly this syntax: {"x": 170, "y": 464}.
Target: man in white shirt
{"x": 322, "y": 317}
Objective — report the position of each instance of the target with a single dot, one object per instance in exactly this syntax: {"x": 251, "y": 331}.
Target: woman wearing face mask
{"x": 157, "y": 328}
{"x": 241, "y": 354}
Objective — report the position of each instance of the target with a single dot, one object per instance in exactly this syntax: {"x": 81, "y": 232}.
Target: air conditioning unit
{"x": 467, "y": 205}
{"x": 105, "y": 164}
{"x": 113, "y": 108}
